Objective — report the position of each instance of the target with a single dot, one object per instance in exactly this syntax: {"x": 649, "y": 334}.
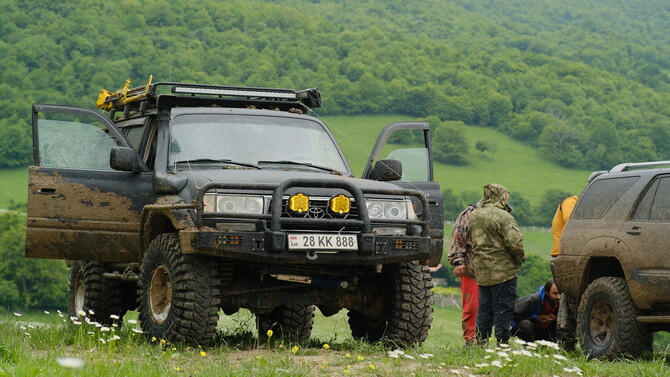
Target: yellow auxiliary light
{"x": 340, "y": 204}
{"x": 298, "y": 203}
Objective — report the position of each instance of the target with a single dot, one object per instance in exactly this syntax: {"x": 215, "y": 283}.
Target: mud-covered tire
{"x": 291, "y": 322}
{"x": 407, "y": 312}
{"x": 98, "y": 297}
{"x": 606, "y": 321}
{"x": 178, "y": 294}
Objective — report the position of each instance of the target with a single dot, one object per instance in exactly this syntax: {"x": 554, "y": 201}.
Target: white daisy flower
{"x": 70, "y": 362}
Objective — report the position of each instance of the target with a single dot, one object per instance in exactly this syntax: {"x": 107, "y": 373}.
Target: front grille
{"x": 318, "y": 209}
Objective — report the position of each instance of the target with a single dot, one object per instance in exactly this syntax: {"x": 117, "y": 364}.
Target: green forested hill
{"x": 584, "y": 83}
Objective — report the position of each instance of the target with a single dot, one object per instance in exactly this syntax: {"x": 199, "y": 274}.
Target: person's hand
{"x": 546, "y": 318}
{"x": 458, "y": 270}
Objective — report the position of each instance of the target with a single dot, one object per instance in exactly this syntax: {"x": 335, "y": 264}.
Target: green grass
{"x": 517, "y": 166}
{"x": 35, "y": 344}
{"x": 14, "y": 183}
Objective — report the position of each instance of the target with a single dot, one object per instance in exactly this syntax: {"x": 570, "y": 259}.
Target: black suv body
{"x": 613, "y": 259}
{"x": 209, "y": 197}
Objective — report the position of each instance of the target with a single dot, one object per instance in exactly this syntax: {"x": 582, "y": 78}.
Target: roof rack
{"x": 638, "y": 165}
{"x": 190, "y": 95}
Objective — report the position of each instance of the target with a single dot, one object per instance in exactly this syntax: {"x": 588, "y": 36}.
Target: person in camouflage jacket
{"x": 460, "y": 256}
{"x": 497, "y": 245}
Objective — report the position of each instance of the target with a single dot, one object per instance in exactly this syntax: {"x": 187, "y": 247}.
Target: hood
{"x": 494, "y": 196}
{"x": 274, "y": 177}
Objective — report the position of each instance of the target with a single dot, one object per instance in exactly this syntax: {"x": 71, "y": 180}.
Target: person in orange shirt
{"x": 566, "y": 326}
{"x": 560, "y": 218}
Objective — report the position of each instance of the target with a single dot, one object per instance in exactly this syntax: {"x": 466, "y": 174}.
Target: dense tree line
{"x": 27, "y": 283}
{"x": 584, "y": 82}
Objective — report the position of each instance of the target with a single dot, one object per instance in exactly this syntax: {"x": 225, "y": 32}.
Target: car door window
{"x": 408, "y": 142}
{"x": 643, "y": 210}
{"x": 660, "y": 208}
{"x": 80, "y": 144}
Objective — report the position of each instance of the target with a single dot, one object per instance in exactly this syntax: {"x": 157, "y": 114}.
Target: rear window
{"x": 601, "y": 196}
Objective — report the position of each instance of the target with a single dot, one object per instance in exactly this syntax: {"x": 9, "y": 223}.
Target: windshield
{"x": 248, "y": 139}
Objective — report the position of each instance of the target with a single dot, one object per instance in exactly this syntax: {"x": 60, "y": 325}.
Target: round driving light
{"x": 340, "y": 204}
{"x": 298, "y": 203}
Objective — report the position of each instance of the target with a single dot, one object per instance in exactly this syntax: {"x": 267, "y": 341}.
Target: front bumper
{"x": 271, "y": 247}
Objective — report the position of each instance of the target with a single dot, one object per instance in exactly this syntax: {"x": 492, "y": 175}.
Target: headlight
{"x": 250, "y": 204}
{"x": 388, "y": 209}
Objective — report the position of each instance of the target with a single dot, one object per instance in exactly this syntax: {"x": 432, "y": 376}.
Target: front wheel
{"x": 606, "y": 321}
{"x": 407, "y": 313}
{"x": 178, "y": 294}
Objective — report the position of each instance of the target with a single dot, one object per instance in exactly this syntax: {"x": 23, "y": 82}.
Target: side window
{"x": 80, "y": 144}
{"x": 643, "y": 210}
{"x": 601, "y": 196}
{"x": 408, "y": 147}
{"x": 134, "y": 135}
{"x": 660, "y": 209}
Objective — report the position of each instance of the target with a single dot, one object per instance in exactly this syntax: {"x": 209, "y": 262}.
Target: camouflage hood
{"x": 494, "y": 196}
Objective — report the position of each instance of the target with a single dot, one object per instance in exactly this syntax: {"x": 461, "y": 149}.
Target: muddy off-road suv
{"x": 186, "y": 199}
{"x": 614, "y": 259}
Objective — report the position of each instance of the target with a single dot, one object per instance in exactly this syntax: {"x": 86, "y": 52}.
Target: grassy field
{"x": 14, "y": 184}
{"x": 49, "y": 345}
{"x": 515, "y": 165}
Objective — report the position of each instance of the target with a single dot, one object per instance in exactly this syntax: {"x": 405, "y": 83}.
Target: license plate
{"x": 315, "y": 241}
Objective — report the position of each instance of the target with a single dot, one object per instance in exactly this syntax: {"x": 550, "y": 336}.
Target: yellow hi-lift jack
{"x": 108, "y": 100}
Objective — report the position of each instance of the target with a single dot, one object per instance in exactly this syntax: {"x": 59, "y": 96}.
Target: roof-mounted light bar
{"x": 235, "y": 92}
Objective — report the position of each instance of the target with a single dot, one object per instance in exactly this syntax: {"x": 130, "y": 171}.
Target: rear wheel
{"x": 99, "y": 298}
{"x": 407, "y": 313}
{"x": 293, "y": 322}
{"x": 178, "y": 294}
{"x": 606, "y": 321}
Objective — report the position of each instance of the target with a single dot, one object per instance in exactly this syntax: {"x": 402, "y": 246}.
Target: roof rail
{"x": 636, "y": 165}
{"x": 108, "y": 101}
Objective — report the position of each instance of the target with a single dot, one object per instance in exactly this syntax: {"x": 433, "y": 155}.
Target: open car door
{"x": 79, "y": 208}
{"x": 409, "y": 142}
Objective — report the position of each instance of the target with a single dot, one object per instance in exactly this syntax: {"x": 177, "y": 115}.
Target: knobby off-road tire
{"x": 98, "y": 297}
{"x": 606, "y": 321}
{"x": 291, "y": 322}
{"x": 407, "y": 307}
{"x": 178, "y": 294}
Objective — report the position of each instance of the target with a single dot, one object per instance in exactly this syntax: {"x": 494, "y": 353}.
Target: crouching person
{"x": 535, "y": 315}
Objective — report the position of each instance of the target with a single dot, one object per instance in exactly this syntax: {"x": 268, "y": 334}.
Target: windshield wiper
{"x": 224, "y": 161}
{"x": 289, "y": 162}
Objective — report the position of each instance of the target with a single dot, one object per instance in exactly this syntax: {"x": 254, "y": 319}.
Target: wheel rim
{"x": 160, "y": 294}
{"x": 79, "y": 293}
{"x": 601, "y": 323}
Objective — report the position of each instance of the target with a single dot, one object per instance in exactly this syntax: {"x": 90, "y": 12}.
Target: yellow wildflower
{"x": 203, "y": 353}
{"x": 295, "y": 349}
{"x": 270, "y": 333}
{"x": 360, "y": 358}
{"x": 326, "y": 346}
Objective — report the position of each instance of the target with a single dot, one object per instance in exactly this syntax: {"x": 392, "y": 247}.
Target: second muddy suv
{"x": 614, "y": 259}
{"x": 186, "y": 199}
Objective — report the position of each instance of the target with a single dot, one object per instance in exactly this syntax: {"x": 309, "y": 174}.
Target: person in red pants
{"x": 461, "y": 257}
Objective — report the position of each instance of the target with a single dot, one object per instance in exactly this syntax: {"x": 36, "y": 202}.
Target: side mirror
{"x": 388, "y": 169}
{"x": 124, "y": 159}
